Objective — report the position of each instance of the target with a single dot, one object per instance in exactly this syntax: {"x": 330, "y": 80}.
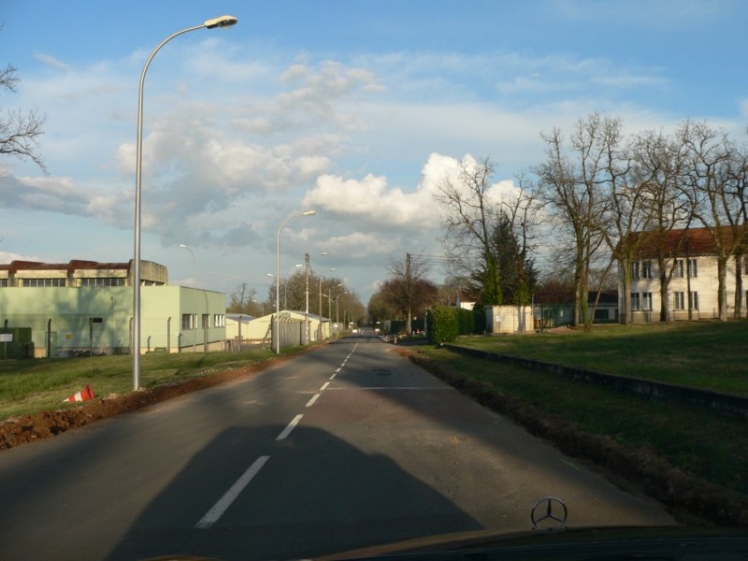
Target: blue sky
{"x": 355, "y": 109}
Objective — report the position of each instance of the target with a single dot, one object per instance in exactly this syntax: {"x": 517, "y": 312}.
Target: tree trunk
{"x": 666, "y": 275}
{"x": 738, "y": 286}
{"x": 665, "y": 299}
{"x": 722, "y": 290}
{"x": 627, "y": 316}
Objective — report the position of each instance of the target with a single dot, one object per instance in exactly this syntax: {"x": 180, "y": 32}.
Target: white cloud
{"x": 371, "y": 201}
{"x": 8, "y": 256}
{"x": 52, "y": 61}
{"x": 360, "y": 245}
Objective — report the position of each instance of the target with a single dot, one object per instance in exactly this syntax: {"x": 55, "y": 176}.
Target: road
{"x": 343, "y": 447}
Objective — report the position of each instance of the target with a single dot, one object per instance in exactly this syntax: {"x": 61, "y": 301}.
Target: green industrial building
{"x": 84, "y": 307}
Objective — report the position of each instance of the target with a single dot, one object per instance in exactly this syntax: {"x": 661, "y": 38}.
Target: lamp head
{"x": 309, "y": 213}
{"x": 222, "y": 21}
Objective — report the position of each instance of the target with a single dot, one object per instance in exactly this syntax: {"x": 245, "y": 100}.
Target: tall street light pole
{"x": 223, "y": 21}
{"x": 319, "y": 310}
{"x": 194, "y": 261}
{"x": 277, "y": 275}
{"x": 306, "y": 299}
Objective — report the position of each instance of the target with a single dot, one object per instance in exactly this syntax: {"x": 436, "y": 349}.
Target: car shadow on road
{"x": 315, "y": 495}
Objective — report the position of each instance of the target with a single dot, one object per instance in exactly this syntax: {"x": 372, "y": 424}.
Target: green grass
{"x": 707, "y": 355}
{"x": 694, "y": 440}
{"x": 28, "y": 386}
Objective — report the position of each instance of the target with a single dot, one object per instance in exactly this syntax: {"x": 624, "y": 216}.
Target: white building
{"x": 245, "y": 329}
{"x": 692, "y": 260}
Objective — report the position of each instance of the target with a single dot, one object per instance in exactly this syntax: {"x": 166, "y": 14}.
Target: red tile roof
{"x": 682, "y": 242}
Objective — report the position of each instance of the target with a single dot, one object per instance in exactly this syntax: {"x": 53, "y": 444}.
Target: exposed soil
{"x": 691, "y": 499}
{"x": 29, "y": 428}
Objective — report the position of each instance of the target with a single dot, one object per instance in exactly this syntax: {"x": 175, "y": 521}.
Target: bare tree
{"x": 19, "y": 131}
{"x": 625, "y": 217}
{"x": 714, "y": 194}
{"x": 489, "y": 240}
{"x": 521, "y": 216}
{"x": 241, "y": 299}
{"x": 469, "y": 224}
{"x": 573, "y": 184}
{"x": 739, "y": 190}
{"x": 408, "y": 288}
{"x": 658, "y": 170}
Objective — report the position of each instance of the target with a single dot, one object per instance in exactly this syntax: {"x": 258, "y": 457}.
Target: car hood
{"x": 669, "y": 542}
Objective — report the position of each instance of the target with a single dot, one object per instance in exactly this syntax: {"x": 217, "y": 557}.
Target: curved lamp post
{"x": 194, "y": 261}
{"x": 278, "y": 275}
{"x": 223, "y": 21}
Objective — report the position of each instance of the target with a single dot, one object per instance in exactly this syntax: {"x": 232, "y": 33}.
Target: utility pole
{"x": 319, "y": 336}
{"x": 306, "y": 310}
{"x": 409, "y": 292}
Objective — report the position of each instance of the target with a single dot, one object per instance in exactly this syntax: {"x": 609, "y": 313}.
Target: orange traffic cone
{"x": 84, "y": 395}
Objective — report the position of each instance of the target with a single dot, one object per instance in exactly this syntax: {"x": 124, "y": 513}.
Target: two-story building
{"x": 691, "y": 266}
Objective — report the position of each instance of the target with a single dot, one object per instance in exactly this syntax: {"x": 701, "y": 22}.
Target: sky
{"x": 356, "y": 109}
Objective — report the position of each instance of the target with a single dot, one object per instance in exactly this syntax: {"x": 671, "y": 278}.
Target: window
{"x": 646, "y": 301}
{"x": 635, "y": 301}
{"x": 218, "y": 320}
{"x": 103, "y": 282}
{"x": 646, "y": 269}
{"x": 693, "y": 300}
{"x": 4, "y": 282}
{"x": 635, "y": 270}
{"x": 206, "y": 321}
{"x": 186, "y": 321}
{"x": 44, "y": 282}
{"x": 679, "y": 271}
{"x": 680, "y": 301}
{"x": 692, "y": 269}
{"x": 601, "y": 314}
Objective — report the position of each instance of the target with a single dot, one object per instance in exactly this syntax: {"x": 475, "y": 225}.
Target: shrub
{"x": 443, "y": 324}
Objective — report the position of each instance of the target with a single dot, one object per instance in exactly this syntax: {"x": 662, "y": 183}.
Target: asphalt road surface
{"x": 344, "y": 447}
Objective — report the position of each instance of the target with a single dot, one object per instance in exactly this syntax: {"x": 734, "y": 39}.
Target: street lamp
{"x": 194, "y": 261}
{"x": 319, "y": 310}
{"x": 277, "y": 275}
{"x": 222, "y": 21}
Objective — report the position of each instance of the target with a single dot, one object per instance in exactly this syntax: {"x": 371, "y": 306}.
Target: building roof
{"x": 74, "y": 264}
{"x": 606, "y": 297}
{"x": 244, "y": 318}
{"x": 682, "y": 242}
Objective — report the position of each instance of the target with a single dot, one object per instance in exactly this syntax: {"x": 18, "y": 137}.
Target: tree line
{"x": 597, "y": 200}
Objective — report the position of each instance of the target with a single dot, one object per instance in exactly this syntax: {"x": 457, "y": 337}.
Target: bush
{"x": 479, "y": 319}
{"x": 465, "y": 321}
{"x": 443, "y": 324}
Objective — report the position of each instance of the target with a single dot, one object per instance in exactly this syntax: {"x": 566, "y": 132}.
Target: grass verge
{"x": 30, "y": 386}
{"x": 685, "y": 457}
{"x": 708, "y": 355}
